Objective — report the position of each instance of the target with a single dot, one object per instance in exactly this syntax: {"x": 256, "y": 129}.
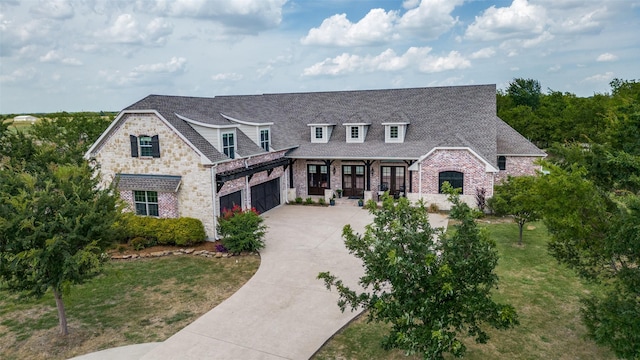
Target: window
{"x": 393, "y": 132}
{"x": 502, "y": 162}
{"x": 228, "y": 145}
{"x": 455, "y": 178}
{"x": 264, "y": 139}
{"x": 319, "y": 133}
{"x": 146, "y": 202}
{"x": 355, "y": 132}
{"x": 145, "y": 146}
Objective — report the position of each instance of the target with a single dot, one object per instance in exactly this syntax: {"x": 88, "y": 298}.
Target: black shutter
{"x": 134, "y": 145}
{"x": 155, "y": 146}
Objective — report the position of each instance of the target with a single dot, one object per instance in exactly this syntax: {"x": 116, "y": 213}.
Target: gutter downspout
{"x": 419, "y": 180}
{"x": 213, "y": 200}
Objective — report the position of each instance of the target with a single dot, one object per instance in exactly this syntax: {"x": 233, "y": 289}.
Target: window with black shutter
{"x": 145, "y": 146}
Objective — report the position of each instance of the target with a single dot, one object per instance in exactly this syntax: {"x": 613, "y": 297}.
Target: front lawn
{"x": 131, "y": 302}
{"x": 545, "y": 294}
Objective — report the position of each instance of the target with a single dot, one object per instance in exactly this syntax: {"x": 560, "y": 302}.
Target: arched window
{"x": 502, "y": 162}
{"x": 455, "y": 178}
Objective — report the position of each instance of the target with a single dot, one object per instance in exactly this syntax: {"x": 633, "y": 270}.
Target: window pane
{"x": 502, "y": 162}
{"x": 359, "y": 170}
{"x": 139, "y": 196}
{"x": 312, "y": 169}
{"x": 318, "y": 133}
{"x": 354, "y": 132}
{"x": 153, "y": 209}
{"x": 393, "y": 132}
{"x": 152, "y": 196}
{"x": 323, "y": 169}
{"x": 141, "y": 209}
{"x": 346, "y": 170}
{"x": 455, "y": 178}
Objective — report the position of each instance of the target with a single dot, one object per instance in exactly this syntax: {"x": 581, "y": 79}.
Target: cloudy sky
{"x": 93, "y": 55}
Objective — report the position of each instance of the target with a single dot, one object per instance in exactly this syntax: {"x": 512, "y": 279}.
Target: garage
{"x": 229, "y": 200}
{"x": 266, "y": 196}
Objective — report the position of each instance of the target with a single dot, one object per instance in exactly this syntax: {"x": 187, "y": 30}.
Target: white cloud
{"x": 245, "y": 16}
{"x": 388, "y": 60}
{"x": 19, "y": 76}
{"x": 450, "y": 62}
{"x": 53, "y": 9}
{"x": 606, "y": 57}
{"x": 483, "y": 53}
{"x": 175, "y": 65}
{"x": 606, "y": 77}
{"x": 227, "y": 77}
{"x": 580, "y": 22}
{"x": 54, "y": 56}
{"x": 376, "y": 27}
{"x": 554, "y": 68}
{"x": 430, "y": 19}
{"x": 519, "y": 19}
{"x": 125, "y": 30}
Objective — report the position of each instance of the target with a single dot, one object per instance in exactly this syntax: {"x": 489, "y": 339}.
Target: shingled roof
{"x": 454, "y": 116}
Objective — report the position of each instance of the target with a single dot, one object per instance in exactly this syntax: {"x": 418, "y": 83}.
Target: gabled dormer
{"x": 394, "y": 132}
{"x": 356, "y": 132}
{"x": 259, "y": 133}
{"x": 320, "y": 133}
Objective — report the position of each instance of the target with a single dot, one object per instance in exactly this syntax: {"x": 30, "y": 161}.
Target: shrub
{"x": 139, "y": 243}
{"x": 298, "y": 200}
{"x": 241, "y": 230}
{"x": 321, "y": 201}
{"x": 308, "y": 201}
{"x": 181, "y": 231}
{"x": 433, "y": 208}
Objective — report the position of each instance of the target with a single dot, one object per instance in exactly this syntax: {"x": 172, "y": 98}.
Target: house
{"x": 188, "y": 156}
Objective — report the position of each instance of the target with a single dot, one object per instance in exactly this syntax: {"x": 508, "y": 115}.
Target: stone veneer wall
{"x": 518, "y": 166}
{"x": 176, "y": 158}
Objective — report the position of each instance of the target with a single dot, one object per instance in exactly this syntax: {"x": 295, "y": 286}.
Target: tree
{"x": 525, "y": 92}
{"x": 53, "y": 229}
{"x": 429, "y": 286}
{"x": 597, "y": 233}
{"x": 516, "y": 197}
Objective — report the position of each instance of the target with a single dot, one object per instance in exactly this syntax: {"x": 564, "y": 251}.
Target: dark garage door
{"x": 266, "y": 196}
{"x": 227, "y": 201}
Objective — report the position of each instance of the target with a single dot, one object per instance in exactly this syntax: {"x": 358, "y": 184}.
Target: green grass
{"x": 545, "y": 294}
{"x": 131, "y": 302}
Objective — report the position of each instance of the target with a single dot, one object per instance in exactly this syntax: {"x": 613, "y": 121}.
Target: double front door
{"x": 392, "y": 180}
{"x": 353, "y": 180}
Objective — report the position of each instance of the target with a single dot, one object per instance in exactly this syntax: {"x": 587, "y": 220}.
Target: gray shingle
{"x": 160, "y": 183}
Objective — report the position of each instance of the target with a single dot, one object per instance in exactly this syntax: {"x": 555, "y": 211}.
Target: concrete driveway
{"x": 284, "y": 311}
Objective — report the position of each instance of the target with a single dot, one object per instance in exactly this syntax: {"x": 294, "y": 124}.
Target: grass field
{"x": 131, "y": 302}
{"x": 545, "y": 294}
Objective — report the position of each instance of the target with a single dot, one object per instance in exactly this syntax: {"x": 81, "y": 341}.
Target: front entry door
{"x": 353, "y": 180}
{"x": 392, "y": 180}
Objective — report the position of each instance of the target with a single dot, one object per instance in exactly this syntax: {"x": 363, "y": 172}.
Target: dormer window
{"x": 395, "y": 132}
{"x": 320, "y": 133}
{"x": 356, "y": 132}
{"x": 264, "y": 139}
{"x": 229, "y": 145}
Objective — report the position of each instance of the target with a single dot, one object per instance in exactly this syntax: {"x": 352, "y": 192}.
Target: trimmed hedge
{"x": 181, "y": 231}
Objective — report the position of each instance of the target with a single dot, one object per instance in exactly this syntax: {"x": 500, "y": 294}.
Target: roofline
{"x": 245, "y": 122}
{"x": 351, "y": 157}
{"x": 525, "y": 155}
{"x": 199, "y": 123}
{"x": 204, "y": 160}
{"x": 488, "y": 166}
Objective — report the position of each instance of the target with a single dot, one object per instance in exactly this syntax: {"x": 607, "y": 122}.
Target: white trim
{"x": 204, "y": 160}
{"x": 356, "y": 124}
{"x": 488, "y": 166}
{"x": 395, "y": 123}
{"x": 199, "y": 123}
{"x": 321, "y": 124}
{"x": 350, "y": 158}
{"x": 245, "y": 122}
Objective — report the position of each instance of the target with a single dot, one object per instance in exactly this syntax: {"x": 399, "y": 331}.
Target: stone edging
{"x": 189, "y": 251}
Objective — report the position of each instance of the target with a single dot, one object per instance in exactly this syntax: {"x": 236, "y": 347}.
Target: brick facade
{"x": 518, "y": 166}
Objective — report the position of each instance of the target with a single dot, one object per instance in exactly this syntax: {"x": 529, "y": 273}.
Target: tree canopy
{"x": 54, "y": 220}
{"x": 430, "y": 286}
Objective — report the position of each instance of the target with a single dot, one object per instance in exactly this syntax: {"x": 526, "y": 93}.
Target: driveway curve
{"x": 283, "y": 311}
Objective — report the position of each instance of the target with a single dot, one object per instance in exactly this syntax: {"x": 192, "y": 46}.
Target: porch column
{"x": 368, "y": 164}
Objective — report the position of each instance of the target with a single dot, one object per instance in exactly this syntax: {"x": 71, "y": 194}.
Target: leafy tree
{"x": 597, "y": 233}
{"x": 525, "y": 92}
{"x": 54, "y": 227}
{"x": 516, "y": 197}
{"x": 431, "y": 287}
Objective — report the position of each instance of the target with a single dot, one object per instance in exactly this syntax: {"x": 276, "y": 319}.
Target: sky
{"x": 103, "y": 55}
